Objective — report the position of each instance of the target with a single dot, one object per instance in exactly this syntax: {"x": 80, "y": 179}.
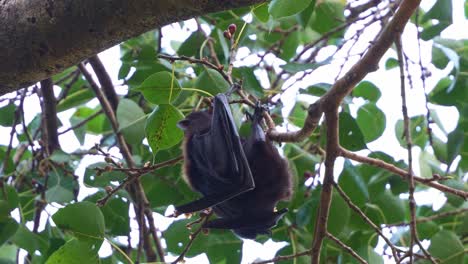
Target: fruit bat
{"x": 242, "y": 180}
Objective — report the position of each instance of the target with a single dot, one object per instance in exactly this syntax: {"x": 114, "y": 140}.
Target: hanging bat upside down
{"x": 241, "y": 180}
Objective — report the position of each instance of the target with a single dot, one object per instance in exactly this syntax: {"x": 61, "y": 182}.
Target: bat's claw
{"x": 234, "y": 88}
{"x": 259, "y": 109}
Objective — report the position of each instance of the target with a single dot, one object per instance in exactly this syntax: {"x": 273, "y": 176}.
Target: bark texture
{"x": 43, "y": 37}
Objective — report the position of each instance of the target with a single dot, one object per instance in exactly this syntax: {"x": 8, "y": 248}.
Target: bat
{"x": 242, "y": 180}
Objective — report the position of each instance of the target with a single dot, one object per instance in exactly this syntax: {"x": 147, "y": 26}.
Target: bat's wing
{"x": 218, "y": 161}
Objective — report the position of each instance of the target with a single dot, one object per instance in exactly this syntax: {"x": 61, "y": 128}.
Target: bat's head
{"x": 248, "y": 226}
{"x": 261, "y": 226}
{"x": 196, "y": 123}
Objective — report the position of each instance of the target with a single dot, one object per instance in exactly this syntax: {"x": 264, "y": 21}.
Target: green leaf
{"x": 441, "y": 10}
{"x": 59, "y": 156}
{"x": 91, "y": 179}
{"x": 304, "y": 16}
{"x": 353, "y": 184}
{"x": 307, "y": 212}
{"x": 289, "y": 47}
{"x": 391, "y": 63}
{"x": 191, "y": 46}
{"x": 84, "y": 219}
{"x": 161, "y": 127}
{"x": 295, "y": 67}
{"x": 221, "y": 246}
{"x": 8, "y": 201}
{"x": 261, "y": 12}
{"x": 8, "y": 228}
{"x": 8, "y": 254}
{"x": 318, "y": 89}
{"x": 371, "y": 121}
{"x": 350, "y": 135}
{"x": 440, "y": 149}
{"x": 440, "y": 94}
{"x": 428, "y": 164}
{"x": 74, "y": 252}
{"x": 29, "y": 241}
{"x": 452, "y": 199}
{"x": 368, "y": 91}
{"x": 59, "y": 194}
{"x": 454, "y": 144}
{"x": 211, "y": 81}
{"x": 298, "y": 114}
{"x": 392, "y": 206}
{"x": 77, "y": 98}
{"x": 338, "y": 217}
{"x": 283, "y": 8}
{"x": 250, "y": 81}
{"x": 158, "y": 89}
{"x": 327, "y": 16}
{"x": 7, "y": 115}
{"x": 131, "y": 121}
{"x": 161, "y": 193}
{"x": 95, "y": 125}
{"x": 418, "y": 130}
{"x": 446, "y": 246}
{"x": 61, "y": 186}
{"x": 115, "y": 213}
{"x": 7, "y": 165}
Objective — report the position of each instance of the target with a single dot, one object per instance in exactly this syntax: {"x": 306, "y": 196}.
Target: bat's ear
{"x": 183, "y": 124}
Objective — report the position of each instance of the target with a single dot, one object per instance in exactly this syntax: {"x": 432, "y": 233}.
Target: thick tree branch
{"x": 42, "y": 37}
{"x": 105, "y": 81}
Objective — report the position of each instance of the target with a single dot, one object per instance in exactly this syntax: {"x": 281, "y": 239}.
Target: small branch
{"x": 192, "y": 238}
{"x": 133, "y": 174}
{"x": 346, "y": 248}
{"x": 409, "y": 145}
{"x": 49, "y": 105}
{"x": 135, "y": 189}
{"x": 314, "y": 114}
{"x": 105, "y": 81}
{"x": 82, "y": 123}
{"x": 198, "y": 61}
{"x": 332, "y": 150}
{"x": 402, "y": 173}
{"x": 154, "y": 234}
{"x": 432, "y": 217}
{"x": 367, "y": 220}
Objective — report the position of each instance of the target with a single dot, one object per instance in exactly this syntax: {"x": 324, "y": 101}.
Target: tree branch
{"x": 41, "y": 38}
{"x": 49, "y": 105}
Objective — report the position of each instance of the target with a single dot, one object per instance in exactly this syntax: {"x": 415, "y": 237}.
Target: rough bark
{"x": 43, "y": 37}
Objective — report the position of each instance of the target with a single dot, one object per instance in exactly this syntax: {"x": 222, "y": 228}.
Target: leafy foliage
{"x": 281, "y": 46}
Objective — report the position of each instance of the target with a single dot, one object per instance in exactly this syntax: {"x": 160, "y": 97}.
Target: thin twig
{"x": 198, "y": 61}
{"x": 192, "y": 238}
{"x": 430, "y": 218}
{"x": 135, "y": 173}
{"x": 346, "y": 248}
{"x": 402, "y": 173}
{"x": 367, "y": 220}
{"x": 81, "y": 123}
